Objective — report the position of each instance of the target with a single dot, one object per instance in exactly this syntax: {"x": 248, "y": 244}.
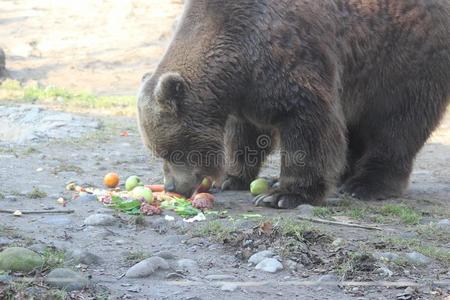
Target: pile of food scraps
{"x": 140, "y": 199}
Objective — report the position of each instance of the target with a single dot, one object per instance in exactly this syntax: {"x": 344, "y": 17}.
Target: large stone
{"x": 260, "y": 256}
{"x": 147, "y": 267}
{"x": 270, "y": 265}
{"x": 66, "y": 279}
{"x": 444, "y": 224}
{"x": 417, "y": 259}
{"x": 99, "y": 220}
{"x": 17, "y": 259}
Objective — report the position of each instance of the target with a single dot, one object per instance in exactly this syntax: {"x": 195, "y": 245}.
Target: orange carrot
{"x": 156, "y": 188}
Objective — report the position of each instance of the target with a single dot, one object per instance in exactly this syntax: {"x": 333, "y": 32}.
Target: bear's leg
{"x": 313, "y": 148}
{"x": 246, "y": 148}
{"x": 392, "y": 142}
{"x": 355, "y": 150}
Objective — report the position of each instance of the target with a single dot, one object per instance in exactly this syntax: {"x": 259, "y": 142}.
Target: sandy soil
{"x": 99, "y": 46}
{"x": 106, "y": 46}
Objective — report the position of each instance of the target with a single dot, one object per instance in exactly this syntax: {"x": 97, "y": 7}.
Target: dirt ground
{"x": 105, "y": 47}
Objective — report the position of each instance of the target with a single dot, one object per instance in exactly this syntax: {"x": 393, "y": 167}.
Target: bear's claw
{"x": 277, "y": 200}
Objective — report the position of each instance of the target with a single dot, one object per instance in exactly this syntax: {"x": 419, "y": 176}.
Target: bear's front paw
{"x": 233, "y": 183}
{"x": 278, "y": 200}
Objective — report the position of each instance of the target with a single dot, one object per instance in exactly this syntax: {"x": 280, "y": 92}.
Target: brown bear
{"x": 352, "y": 89}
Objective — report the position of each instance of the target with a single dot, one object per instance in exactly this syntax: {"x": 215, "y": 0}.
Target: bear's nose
{"x": 169, "y": 187}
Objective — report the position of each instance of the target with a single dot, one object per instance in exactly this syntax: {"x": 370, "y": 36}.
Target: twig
{"x": 38, "y": 212}
{"x": 308, "y": 283}
{"x": 316, "y": 220}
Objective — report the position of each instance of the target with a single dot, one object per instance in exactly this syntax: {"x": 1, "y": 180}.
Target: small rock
{"x": 18, "y": 259}
{"x": 291, "y": 265}
{"x": 229, "y": 287}
{"x": 386, "y": 256}
{"x": 6, "y": 278}
{"x": 87, "y": 197}
{"x": 260, "y": 256}
{"x": 417, "y": 259}
{"x": 85, "y": 257}
{"x": 187, "y": 265}
{"x": 175, "y": 276}
{"x": 337, "y": 243}
{"x": 165, "y": 255}
{"x": 147, "y": 267}
{"x": 67, "y": 280}
{"x": 11, "y": 198}
{"x": 99, "y": 220}
{"x": 5, "y": 241}
{"x": 328, "y": 278}
{"x": 218, "y": 277}
{"x": 383, "y": 271}
{"x": 306, "y": 210}
{"x": 329, "y": 281}
{"x": 269, "y": 265}
{"x": 444, "y": 224}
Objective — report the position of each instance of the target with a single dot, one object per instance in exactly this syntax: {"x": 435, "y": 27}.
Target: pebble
{"x": 270, "y": 265}
{"x": 291, "y": 265}
{"x": 85, "y": 257}
{"x": 5, "y": 241}
{"x": 147, "y": 267}
{"x": 87, "y": 197}
{"x": 18, "y": 259}
{"x": 219, "y": 277}
{"x": 66, "y": 279}
{"x": 165, "y": 254}
{"x": 329, "y": 281}
{"x": 386, "y": 256}
{"x": 6, "y": 278}
{"x": 306, "y": 210}
{"x": 229, "y": 287}
{"x": 417, "y": 259}
{"x": 187, "y": 265}
{"x": 384, "y": 271}
{"x": 174, "y": 276}
{"x": 444, "y": 224}
{"x": 99, "y": 220}
{"x": 337, "y": 243}
{"x": 260, "y": 256}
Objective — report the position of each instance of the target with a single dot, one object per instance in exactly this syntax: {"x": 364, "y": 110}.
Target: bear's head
{"x": 184, "y": 105}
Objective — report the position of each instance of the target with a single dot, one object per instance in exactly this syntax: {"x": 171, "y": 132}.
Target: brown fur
{"x": 357, "y": 86}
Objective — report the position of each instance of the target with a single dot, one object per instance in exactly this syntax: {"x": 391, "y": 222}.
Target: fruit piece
{"x": 150, "y": 210}
{"x": 17, "y": 213}
{"x": 132, "y": 182}
{"x": 203, "y": 201}
{"x": 156, "y": 188}
{"x": 71, "y": 186}
{"x": 142, "y": 193}
{"x": 205, "y": 185}
{"x": 175, "y": 195}
{"x": 111, "y": 180}
{"x": 259, "y": 186}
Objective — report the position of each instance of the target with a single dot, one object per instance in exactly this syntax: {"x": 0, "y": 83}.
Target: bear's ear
{"x": 170, "y": 91}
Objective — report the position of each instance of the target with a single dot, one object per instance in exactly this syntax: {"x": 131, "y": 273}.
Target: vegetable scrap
{"x": 137, "y": 198}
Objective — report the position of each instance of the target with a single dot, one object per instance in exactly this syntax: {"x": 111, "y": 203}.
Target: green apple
{"x": 141, "y": 192}
{"x": 259, "y": 186}
{"x": 206, "y": 185}
{"x": 132, "y": 182}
